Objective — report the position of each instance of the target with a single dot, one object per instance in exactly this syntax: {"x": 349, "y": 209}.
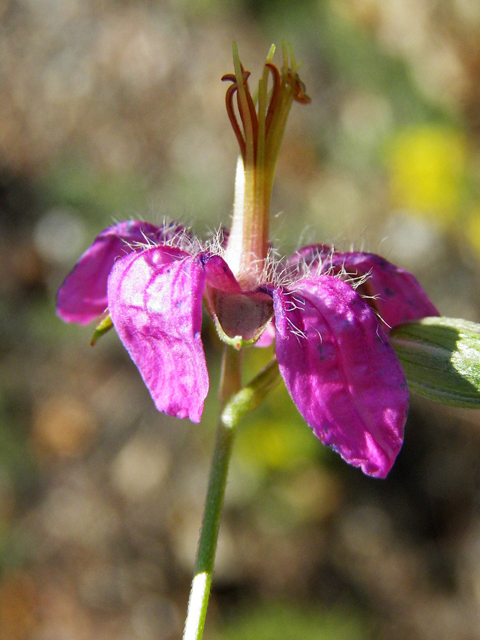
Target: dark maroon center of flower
{"x": 241, "y": 314}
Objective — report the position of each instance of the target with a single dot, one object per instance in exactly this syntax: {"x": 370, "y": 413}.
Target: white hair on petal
{"x": 215, "y": 244}
{"x": 273, "y": 270}
{"x": 294, "y": 330}
{"x": 168, "y": 234}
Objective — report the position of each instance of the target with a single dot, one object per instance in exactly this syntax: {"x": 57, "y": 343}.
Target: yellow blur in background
{"x": 427, "y": 167}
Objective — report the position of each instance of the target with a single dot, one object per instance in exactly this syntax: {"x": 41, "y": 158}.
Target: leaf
{"x": 441, "y": 359}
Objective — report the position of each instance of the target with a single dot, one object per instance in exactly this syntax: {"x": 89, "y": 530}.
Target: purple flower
{"x": 330, "y": 338}
{"x": 328, "y": 312}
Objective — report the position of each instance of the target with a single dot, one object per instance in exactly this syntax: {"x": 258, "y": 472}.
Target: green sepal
{"x": 441, "y": 359}
{"x": 237, "y": 342}
{"x": 252, "y": 395}
{"x": 102, "y": 327}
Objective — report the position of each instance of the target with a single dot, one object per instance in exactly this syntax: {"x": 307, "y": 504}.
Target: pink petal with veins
{"x": 394, "y": 293}
{"x": 156, "y": 309}
{"x": 219, "y": 274}
{"x": 341, "y": 371}
{"x": 267, "y": 337}
{"x": 83, "y": 294}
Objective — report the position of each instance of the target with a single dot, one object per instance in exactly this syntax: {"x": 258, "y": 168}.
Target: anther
{"x": 299, "y": 89}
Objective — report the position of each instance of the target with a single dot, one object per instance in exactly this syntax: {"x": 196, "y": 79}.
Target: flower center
{"x": 259, "y": 124}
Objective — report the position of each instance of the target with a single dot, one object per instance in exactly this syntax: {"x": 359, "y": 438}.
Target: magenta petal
{"x": 220, "y": 276}
{"x": 156, "y": 309}
{"x": 394, "y": 293}
{"x": 267, "y": 337}
{"x": 341, "y": 371}
{"x": 83, "y": 294}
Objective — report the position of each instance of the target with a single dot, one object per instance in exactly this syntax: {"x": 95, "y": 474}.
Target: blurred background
{"x": 114, "y": 109}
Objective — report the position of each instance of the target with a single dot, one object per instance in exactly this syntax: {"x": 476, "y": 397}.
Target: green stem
{"x": 231, "y": 382}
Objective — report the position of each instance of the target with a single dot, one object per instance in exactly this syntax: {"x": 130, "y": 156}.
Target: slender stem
{"x": 200, "y": 591}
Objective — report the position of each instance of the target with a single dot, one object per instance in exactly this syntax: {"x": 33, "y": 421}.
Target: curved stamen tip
{"x": 300, "y": 91}
{"x": 259, "y": 122}
{"x": 245, "y": 121}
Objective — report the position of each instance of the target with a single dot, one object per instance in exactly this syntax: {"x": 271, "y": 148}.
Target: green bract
{"x": 441, "y": 359}
{"x": 104, "y": 324}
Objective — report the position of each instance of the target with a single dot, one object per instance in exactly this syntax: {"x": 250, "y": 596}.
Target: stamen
{"x": 299, "y": 89}
{"x": 251, "y": 118}
{"x": 258, "y": 122}
{"x": 253, "y": 112}
{"x": 275, "y": 95}
{"x": 231, "y": 114}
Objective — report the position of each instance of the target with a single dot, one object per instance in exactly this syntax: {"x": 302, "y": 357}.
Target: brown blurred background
{"x": 114, "y": 109}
